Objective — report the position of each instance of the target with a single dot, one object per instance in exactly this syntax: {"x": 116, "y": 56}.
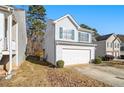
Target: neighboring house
{"x": 66, "y": 40}
{"x": 121, "y": 37}
{"x": 13, "y": 38}
{"x": 108, "y": 45}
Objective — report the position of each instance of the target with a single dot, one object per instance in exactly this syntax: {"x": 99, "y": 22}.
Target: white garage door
{"x": 75, "y": 56}
{"x": 109, "y": 53}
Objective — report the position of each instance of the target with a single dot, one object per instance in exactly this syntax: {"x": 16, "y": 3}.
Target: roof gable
{"x": 121, "y": 37}
{"x": 74, "y": 22}
{"x": 70, "y": 18}
{"x": 104, "y": 37}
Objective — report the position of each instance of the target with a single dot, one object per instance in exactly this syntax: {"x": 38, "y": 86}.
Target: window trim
{"x": 66, "y": 34}
{"x": 107, "y": 44}
{"x": 79, "y": 33}
{"x": 60, "y": 33}
{"x": 118, "y": 45}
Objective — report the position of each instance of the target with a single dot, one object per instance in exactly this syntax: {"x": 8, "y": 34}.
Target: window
{"x": 111, "y": 45}
{"x": 107, "y": 44}
{"x": 83, "y": 37}
{"x": 66, "y": 34}
{"x": 122, "y": 48}
{"x": 60, "y": 32}
{"x": 115, "y": 45}
{"x": 72, "y": 34}
{"x": 118, "y": 45}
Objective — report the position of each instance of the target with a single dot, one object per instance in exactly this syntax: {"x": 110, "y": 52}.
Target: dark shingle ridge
{"x": 103, "y": 37}
{"x": 121, "y": 37}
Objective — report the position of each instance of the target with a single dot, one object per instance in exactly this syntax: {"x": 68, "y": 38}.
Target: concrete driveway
{"x": 109, "y": 75}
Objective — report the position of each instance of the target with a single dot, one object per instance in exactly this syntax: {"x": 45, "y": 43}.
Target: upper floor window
{"x": 111, "y": 45}
{"x": 61, "y": 32}
{"x": 118, "y": 45}
{"x": 84, "y": 37}
{"x": 122, "y": 48}
{"x": 66, "y": 34}
{"x": 107, "y": 44}
{"x": 115, "y": 45}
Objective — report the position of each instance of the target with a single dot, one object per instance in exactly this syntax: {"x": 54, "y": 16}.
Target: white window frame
{"x": 118, "y": 45}
{"x": 65, "y": 34}
{"x": 111, "y": 44}
{"x": 107, "y": 44}
{"x": 88, "y": 38}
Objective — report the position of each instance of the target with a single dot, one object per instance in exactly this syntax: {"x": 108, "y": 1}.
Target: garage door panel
{"x": 75, "y": 56}
{"x": 109, "y": 53}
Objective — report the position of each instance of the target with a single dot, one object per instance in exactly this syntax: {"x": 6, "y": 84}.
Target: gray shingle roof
{"x": 104, "y": 37}
{"x": 121, "y": 37}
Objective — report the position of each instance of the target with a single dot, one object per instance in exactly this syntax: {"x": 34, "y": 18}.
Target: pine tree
{"x": 35, "y": 26}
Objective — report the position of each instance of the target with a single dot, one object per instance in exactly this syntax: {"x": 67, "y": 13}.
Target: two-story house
{"x": 13, "y": 38}
{"x": 121, "y": 37}
{"x": 66, "y": 40}
{"x": 108, "y": 45}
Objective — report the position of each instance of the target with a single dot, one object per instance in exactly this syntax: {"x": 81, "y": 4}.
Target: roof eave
{"x": 67, "y": 15}
{"x": 86, "y": 30}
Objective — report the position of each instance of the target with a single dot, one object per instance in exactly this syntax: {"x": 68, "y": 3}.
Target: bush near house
{"x": 97, "y": 60}
{"x": 60, "y": 63}
{"x": 108, "y": 58}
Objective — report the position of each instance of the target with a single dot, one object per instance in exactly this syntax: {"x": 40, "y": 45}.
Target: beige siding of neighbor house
{"x": 100, "y": 48}
{"x": 110, "y": 40}
{"x": 117, "y": 48}
{"x": 113, "y": 49}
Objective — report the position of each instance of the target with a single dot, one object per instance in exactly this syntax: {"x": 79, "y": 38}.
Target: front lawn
{"x": 35, "y": 74}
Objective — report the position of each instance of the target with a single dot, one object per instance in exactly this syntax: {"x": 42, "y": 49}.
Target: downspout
{"x": 54, "y": 45}
{"x": 17, "y": 63}
{"x": 9, "y": 74}
{"x": 10, "y": 43}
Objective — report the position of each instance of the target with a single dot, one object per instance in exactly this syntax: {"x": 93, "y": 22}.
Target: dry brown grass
{"x": 35, "y": 74}
{"x": 117, "y": 64}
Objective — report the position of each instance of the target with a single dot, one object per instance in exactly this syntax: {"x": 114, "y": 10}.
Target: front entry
{"x": 116, "y": 54}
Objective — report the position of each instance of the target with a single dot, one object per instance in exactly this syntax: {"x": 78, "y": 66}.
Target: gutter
{"x": 75, "y": 43}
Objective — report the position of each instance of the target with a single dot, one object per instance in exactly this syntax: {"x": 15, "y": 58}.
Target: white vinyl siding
{"x": 83, "y": 37}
